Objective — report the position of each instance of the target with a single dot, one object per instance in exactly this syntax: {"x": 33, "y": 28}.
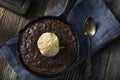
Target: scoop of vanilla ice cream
{"x": 48, "y": 44}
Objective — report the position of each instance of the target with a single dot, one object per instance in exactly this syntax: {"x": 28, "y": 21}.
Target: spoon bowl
{"x": 89, "y": 27}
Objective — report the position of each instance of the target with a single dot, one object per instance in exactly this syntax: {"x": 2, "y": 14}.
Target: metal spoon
{"x": 89, "y": 32}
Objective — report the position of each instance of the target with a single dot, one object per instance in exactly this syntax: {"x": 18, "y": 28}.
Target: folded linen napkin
{"x": 108, "y": 28}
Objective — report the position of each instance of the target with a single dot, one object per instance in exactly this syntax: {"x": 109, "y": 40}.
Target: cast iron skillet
{"x": 61, "y": 18}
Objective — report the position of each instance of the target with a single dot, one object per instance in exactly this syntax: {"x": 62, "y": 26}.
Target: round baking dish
{"x": 61, "y": 18}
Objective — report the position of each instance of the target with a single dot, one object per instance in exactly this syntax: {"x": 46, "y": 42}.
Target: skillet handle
{"x": 69, "y": 6}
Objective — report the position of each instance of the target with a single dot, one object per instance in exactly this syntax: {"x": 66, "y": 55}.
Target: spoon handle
{"x": 88, "y": 70}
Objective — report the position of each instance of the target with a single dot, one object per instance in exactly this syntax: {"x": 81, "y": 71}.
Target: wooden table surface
{"x": 106, "y": 63}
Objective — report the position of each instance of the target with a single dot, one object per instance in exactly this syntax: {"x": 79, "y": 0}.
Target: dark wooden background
{"x": 106, "y": 64}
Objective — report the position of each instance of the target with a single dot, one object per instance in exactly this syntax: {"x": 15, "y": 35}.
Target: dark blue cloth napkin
{"x": 108, "y": 28}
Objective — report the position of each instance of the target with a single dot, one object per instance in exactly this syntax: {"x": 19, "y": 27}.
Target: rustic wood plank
{"x": 51, "y": 6}
{"x": 1, "y": 13}
{"x": 105, "y": 63}
{"x": 112, "y": 70}
{"x": 11, "y": 23}
{"x": 100, "y": 62}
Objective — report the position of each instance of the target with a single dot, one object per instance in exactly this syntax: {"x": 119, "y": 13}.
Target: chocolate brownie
{"x": 32, "y": 57}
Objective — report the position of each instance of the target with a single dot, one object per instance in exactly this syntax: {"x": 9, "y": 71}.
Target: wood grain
{"x": 1, "y": 14}
{"x": 113, "y": 64}
{"x": 106, "y": 63}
